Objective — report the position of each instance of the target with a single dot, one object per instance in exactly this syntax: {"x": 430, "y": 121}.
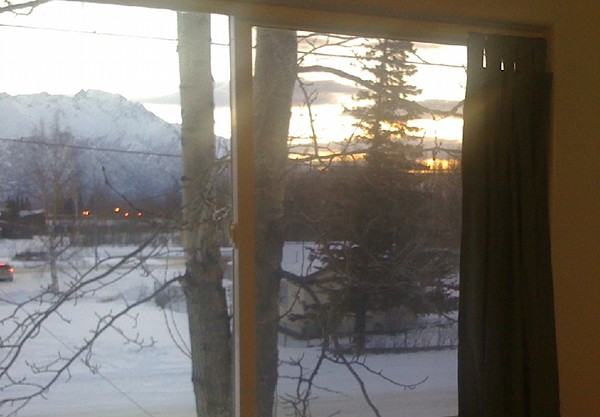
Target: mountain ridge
{"x": 136, "y": 149}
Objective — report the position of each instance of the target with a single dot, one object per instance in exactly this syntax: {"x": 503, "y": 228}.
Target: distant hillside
{"x": 138, "y": 151}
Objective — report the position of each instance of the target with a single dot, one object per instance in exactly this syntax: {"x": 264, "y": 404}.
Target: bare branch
{"x": 340, "y": 73}
{"x": 18, "y": 7}
{"x": 361, "y": 384}
{"x": 37, "y": 319}
{"x": 409, "y": 104}
{"x": 107, "y": 322}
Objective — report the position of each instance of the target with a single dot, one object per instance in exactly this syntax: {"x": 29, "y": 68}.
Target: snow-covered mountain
{"x": 137, "y": 150}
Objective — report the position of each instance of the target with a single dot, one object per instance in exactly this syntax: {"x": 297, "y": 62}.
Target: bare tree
{"x": 54, "y": 174}
{"x": 275, "y": 76}
{"x": 24, "y": 378}
{"x": 209, "y": 322}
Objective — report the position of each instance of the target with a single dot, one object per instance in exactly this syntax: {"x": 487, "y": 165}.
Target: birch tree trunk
{"x": 275, "y": 75}
{"x": 210, "y": 336}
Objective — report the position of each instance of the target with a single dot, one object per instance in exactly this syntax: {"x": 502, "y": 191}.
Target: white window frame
{"x": 243, "y": 149}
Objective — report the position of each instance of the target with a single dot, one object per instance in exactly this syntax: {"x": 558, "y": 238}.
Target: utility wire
{"x": 88, "y": 32}
{"x": 420, "y": 62}
{"x": 93, "y": 32}
{"x": 159, "y": 38}
{"x": 88, "y": 148}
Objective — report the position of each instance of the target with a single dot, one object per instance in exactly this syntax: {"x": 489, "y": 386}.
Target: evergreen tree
{"x": 385, "y": 259}
{"x": 384, "y": 110}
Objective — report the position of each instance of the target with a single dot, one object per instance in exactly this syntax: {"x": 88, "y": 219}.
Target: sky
{"x": 95, "y": 46}
{"x": 137, "y": 61}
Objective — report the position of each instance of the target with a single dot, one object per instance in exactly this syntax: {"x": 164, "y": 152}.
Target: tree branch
{"x": 370, "y": 86}
{"x": 337, "y": 72}
{"x": 15, "y": 7}
{"x": 106, "y": 322}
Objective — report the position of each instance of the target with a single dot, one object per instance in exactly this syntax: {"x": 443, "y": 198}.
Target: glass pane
{"x": 358, "y": 146}
{"x": 102, "y": 224}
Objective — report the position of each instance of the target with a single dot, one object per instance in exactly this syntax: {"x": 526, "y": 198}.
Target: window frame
{"x": 245, "y": 335}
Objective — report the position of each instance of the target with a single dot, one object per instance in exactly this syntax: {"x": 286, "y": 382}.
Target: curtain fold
{"x": 507, "y": 351}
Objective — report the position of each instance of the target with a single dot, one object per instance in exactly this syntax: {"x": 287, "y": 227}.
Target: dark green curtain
{"x": 507, "y": 350}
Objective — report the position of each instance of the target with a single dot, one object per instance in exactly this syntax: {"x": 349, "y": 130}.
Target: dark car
{"x": 6, "y": 272}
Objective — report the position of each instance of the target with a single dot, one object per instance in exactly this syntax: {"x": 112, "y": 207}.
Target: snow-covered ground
{"x": 155, "y": 381}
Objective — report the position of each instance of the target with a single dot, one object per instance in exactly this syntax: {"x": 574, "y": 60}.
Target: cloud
{"x": 221, "y": 96}
{"x": 325, "y": 91}
{"x": 172, "y": 98}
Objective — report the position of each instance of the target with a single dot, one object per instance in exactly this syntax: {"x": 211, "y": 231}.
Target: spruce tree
{"x": 384, "y": 111}
{"x": 383, "y": 262}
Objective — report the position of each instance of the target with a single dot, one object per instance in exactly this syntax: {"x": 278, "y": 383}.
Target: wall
{"x": 575, "y": 202}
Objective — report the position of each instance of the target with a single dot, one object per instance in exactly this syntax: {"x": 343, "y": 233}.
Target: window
{"x": 345, "y": 221}
{"x": 113, "y": 209}
{"x": 369, "y": 188}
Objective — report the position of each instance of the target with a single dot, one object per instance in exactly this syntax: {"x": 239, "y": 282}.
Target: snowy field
{"x": 155, "y": 381}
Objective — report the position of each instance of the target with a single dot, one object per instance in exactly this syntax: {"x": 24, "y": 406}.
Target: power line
{"x": 93, "y": 32}
{"x": 421, "y": 61}
{"x": 88, "y": 32}
{"x": 88, "y": 148}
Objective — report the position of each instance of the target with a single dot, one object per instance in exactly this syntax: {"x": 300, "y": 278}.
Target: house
{"x": 305, "y": 311}
{"x": 23, "y": 224}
